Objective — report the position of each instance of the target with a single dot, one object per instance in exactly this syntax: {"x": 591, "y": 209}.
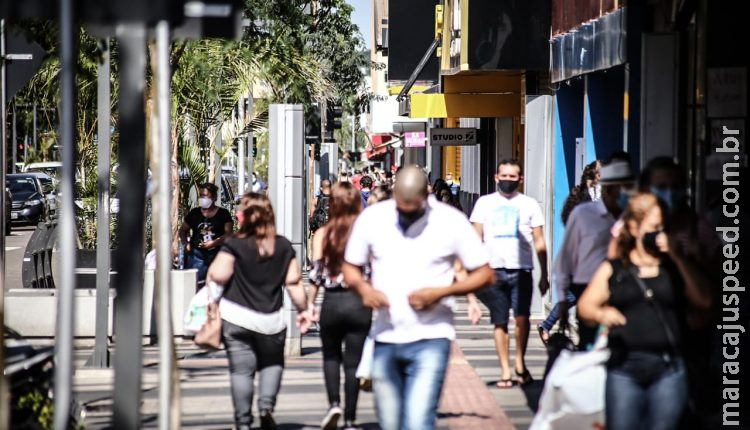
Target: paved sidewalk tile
{"x": 466, "y": 402}
{"x": 469, "y": 401}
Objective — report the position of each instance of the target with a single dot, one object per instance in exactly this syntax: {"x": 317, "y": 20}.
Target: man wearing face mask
{"x": 208, "y": 226}
{"x": 412, "y": 243}
{"x": 587, "y": 237}
{"x": 511, "y": 223}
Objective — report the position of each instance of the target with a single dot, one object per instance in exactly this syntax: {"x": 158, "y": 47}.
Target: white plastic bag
{"x": 573, "y": 395}
{"x": 197, "y": 312}
{"x": 364, "y": 370}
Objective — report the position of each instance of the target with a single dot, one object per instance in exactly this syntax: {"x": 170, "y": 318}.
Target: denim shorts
{"x": 511, "y": 290}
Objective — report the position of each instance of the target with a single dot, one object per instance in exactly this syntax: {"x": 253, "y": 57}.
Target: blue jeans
{"x": 407, "y": 381}
{"x": 200, "y": 259}
{"x": 644, "y": 392}
{"x": 554, "y": 314}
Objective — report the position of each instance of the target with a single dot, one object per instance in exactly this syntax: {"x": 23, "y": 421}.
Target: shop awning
{"x": 464, "y": 105}
{"x": 381, "y": 144}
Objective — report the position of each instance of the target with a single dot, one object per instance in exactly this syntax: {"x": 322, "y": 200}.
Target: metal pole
{"x": 129, "y": 256}
{"x": 33, "y": 137}
{"x": 100, "y": 358}
{"x": 354, "y": 144}
{"x": 4, "y": 394}
{"x": 66, "y": 289}
{"x": 14, "y": 142}
{"x": 164, "y": 230}
{"x": 241, "y": 150}
{"x": 250, "y": 136}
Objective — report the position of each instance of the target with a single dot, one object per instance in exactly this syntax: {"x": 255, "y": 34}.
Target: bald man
{"x": 412, "y": 243}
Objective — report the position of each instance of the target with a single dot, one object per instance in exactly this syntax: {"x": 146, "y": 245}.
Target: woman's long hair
{"x": 259, "y": 221}
{"x": 638, "y": 207}
{"x": 345, "y": 205}
{"x": 580, "y": 192}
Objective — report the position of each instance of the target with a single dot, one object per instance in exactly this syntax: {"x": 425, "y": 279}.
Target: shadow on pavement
{"x": 533, "y": 393}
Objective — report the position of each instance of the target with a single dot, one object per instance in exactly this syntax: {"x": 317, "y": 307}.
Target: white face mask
{"x": 205, "y": 202}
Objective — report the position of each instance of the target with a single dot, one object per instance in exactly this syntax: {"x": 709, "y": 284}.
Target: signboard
{"x": 24, "y": 57}
{"x": 414, "y": 139}
{"x": 453, "y": 136}
{"x": 411, "y": 30}
{"x": 727, "y": 92}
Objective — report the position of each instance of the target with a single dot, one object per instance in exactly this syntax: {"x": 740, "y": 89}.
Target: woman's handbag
{"x": 364, "y": 370}
{"x": 203, "y": 317}
{"x": 573, "y": 395}
{"x": 209, "y": 336}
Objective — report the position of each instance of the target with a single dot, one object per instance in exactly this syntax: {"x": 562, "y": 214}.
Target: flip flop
{"x": 504, "y": 383}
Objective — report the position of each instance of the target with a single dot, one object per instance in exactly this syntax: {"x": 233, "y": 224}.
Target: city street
{"x": 234, "y": 173}
{"x": 15, "y": 245}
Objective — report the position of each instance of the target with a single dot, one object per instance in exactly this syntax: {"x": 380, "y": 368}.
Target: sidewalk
{"x": 469, "y": 401}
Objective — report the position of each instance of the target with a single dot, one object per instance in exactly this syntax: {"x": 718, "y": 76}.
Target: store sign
{"x": 414, "y": 139}
{"x": 453, "y": 136}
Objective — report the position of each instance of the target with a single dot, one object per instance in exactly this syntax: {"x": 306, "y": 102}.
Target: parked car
{"x": 51, "y": 168}
{"x": 8, "y": 204}
{"x": 29, "y": 203}
{"x": 50, "y": 191}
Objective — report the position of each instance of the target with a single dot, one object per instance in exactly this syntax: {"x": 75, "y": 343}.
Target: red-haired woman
{"x": 641, "y": 296}
{"x": 255, "y": 265}
{"x": 344, "y": 320}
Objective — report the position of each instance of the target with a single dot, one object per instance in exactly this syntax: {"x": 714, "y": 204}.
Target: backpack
{"x": 320, "y": 215}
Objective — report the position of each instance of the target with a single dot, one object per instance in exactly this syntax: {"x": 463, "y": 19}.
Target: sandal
{"x": 504, "y": 383}
{"x": 524, "y": 378}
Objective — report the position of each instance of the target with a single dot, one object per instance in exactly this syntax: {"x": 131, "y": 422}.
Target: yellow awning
{"x": 465, "y": 105}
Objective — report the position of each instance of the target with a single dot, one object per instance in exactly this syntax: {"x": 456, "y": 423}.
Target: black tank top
{"x": 257, "y": 282}
{"x": 644, "y": 330}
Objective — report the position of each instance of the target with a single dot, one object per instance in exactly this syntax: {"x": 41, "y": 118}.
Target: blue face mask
{"x": 623, "y": 199}
{"x": 670, "y": 196}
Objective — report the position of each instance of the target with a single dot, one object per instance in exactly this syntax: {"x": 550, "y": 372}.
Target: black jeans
{"x": 343, "y": 320}
{"x": 250, "y": 352}
{"x": 586, "y": 334}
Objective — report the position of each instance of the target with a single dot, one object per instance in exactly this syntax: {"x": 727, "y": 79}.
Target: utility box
{"x": 286, "y": 152}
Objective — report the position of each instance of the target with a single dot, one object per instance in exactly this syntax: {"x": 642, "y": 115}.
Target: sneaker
{"x": 331, "y": 420}
{"x": 266, "y": 420}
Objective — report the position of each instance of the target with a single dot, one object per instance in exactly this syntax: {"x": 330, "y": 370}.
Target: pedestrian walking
{"x": 697, "y": 240}
{"x": 641, "y": 297}
{"x": 511, "y": 223}
{"x": 378, "y": 194}
{"x": 254, "y": 266}
{"x": 588, "y": 190}
{"x": 366, "y": 188}
{"x": 344, "y": 320}
{"x": 584, "y": 247}
{"x": 412, "y": 243}
{"x": 208, "y": 226}
{"x": 320, "y": 205}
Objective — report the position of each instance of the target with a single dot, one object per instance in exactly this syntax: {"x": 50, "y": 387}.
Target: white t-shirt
{"x": 507, "y": 224}
{"x": 403, "y": 262}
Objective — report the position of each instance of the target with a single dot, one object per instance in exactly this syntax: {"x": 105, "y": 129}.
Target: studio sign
{"x": 453, "y": 136}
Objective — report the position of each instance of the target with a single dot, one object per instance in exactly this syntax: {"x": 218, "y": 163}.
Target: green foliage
{"x": 320, "y": 29}
{"x": 39, "y": 408}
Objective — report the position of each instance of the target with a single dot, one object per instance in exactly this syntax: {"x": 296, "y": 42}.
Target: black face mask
{"x": 406, "y": 219}
{"x": 506, "y": 186}
{"x": 649, "y": 243}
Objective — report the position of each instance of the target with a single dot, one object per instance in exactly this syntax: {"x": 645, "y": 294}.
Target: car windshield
{"x": 51, "y": 170}
{"x": 21, "y": 185}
